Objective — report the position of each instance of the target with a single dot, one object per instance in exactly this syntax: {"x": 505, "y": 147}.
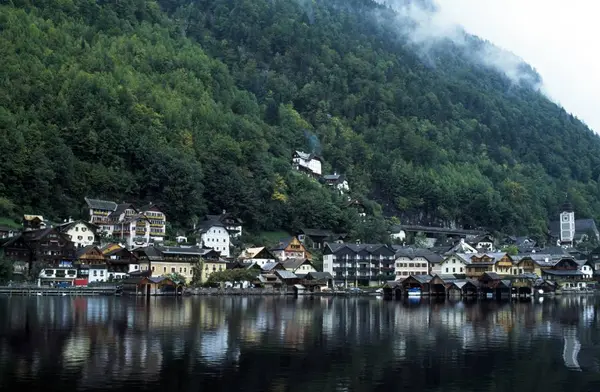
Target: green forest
{"x": 197, "y": 106}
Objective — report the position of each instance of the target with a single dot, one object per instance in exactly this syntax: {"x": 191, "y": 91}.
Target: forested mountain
{"x": 198, "y": 105}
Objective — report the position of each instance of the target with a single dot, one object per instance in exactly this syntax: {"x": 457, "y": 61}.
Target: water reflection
{"x": 286, "y": 344}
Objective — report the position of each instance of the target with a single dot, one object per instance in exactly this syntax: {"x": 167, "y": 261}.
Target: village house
{"x": 80, "y": 232}
{"x": 134, "y": 227}
{"x": 453, "y": 264}
{"x": 337, "y": 181}
{"x": 564, "y": 270}
{"x": 8, "y": 232}
{"x": 232, "y": 224}
{"x": 299, "y": 266}
{"x": 180, "y": 260}
{"x": 213, "y": 234}
{"x": 44, "y": 247}
{"x": 146, "y": 257}
{"x": 33, "y": 222}
{"x": 359, "y": 264}
{"x": 90, "y": 261}
{"x": 121, "y": 262}
{"x": 414, "y": 261}
{"x": 290, "y": 248}
{"x": 210, "y": 266}
{"x": 259, "y": 255}
{"x": 483, "y": 243}
{"x": 308, "y": 163}
{"x": 317, "y": 238}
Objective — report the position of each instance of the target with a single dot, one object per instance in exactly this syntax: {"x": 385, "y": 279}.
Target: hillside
{"x": 198, "y": 107}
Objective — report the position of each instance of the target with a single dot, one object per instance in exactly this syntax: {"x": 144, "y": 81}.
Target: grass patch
{"x": 9, "y": 222}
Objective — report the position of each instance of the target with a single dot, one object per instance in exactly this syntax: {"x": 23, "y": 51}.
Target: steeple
{"x": 567, "y": 224}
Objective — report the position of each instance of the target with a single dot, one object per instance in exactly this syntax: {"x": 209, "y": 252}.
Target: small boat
{"x": 414, "y": 292}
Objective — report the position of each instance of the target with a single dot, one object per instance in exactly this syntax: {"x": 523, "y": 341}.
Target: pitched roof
{"x": 582, "y": 226}
{"x": 67, "y": 225}
{"x": 183, "y": 250}
{"x": 98, "y": 204}
{"x": 120, "y": 208}
{"x": 283, "y": 274}
{"x": 81, "y": 251}
{"x": 250, "y": 253}
{"x": 412, "y": 253}
{"x": 33, "y": 217}
{"x": 283, "y": 243}
{"x": 318, "y": 276}
{"x": 317, "y": 232}
{"x": 293, "y": 263}
{"x": 422, "y": 278}
{"x": 269, "y": 266}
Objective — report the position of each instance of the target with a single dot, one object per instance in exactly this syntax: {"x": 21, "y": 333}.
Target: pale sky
{"x": 556, "y": 37}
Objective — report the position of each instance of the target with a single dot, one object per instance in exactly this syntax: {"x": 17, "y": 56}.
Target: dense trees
{"x": 198, "y": 106}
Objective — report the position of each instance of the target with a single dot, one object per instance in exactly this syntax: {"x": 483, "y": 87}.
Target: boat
{"x": 414, "y": 292}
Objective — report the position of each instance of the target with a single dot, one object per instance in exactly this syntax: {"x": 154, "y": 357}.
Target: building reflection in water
{"x": 93, "y": 341}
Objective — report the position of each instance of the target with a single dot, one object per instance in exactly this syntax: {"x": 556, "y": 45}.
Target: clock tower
{"x": 567, "y": 224}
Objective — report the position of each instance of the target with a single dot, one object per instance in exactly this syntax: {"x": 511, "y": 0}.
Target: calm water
{"x": 308, "y": 345}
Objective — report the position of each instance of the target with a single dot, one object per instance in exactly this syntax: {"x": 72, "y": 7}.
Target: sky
{"x": 556, "y": 37}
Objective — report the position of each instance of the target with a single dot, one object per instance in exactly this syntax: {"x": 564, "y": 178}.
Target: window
{"x": 79, "y": 237}
{"x": 453, "y": 270}
{"x": 411, "y": 265}
{"x": 101, "y": 273}
{"x": 173, "y": 269}
{"x": 164, "y": 269}
{"x": 76, "y": 228}
{"x": 95, "y": 273}
{"x": 185, "y": 270}
{"x": 90, "y": 238}
{"x": 152, "y": 268}
{"x": 180, "y": 270}
{"x": 424, "y": 265}
{"x": 447, "y": 270}
{"x": 84, "y": 229}
{"x": 404, "y": 273}
{"x": 461, "y": 269}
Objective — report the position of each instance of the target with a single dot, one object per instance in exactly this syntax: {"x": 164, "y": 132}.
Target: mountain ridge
{"x": 198, "y": 107}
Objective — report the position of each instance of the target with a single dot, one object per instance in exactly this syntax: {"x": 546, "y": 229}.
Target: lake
{"x": 306, "y": 344}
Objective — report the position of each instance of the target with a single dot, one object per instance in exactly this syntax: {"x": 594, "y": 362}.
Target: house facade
{"x": 359, "y": 264}
{"x": 337, "y": 181}
{"x": 232, "y": 223}
{"x": 99, "y": 211}
{"x": 259, "y": 255}
{"x": 309, "y": 163}
{"x": 33, "y": 222}
{"x": 213, "y": 234}
{"x": 453, "y": 264}
{"x": 290, "y": 248}
{"x": 45, "y": 247}
{"x": 81, "y": 233}
{"x": 414, "y": 261}
{"x": 299, "y": 266}
{"x": 157, "y": 220}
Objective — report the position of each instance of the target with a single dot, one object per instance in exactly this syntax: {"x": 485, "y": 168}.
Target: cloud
{"x": 430, "y": 26}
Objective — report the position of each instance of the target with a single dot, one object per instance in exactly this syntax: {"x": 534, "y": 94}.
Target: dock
{"x": 56, "y": 291}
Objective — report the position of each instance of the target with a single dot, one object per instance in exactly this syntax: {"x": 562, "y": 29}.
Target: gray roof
{"x": 283, "y": 274}
{"x": 98, "y": 204}
{"x": 177, "y": 250}
{"x": 318, "y": 276}
{"x": 562, "y": 272}
{"x": 121, "y": 208}
{"x": 269, "y": 266}
{"x": 411, "y": 253}
{"x": 422, "y": 278}
{"x": 293, "y": 263}
{"x": 582, "y": 226}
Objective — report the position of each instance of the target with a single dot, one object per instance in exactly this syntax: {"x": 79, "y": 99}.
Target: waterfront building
{"x": 414, "y": 261}
{"x": 454, "y": 264}
{"x": 121, "y": 262}
{"x": 44, "y": 247}
{"x": 359, "y": 264}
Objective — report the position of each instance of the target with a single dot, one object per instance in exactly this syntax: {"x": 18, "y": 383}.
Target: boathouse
{"x": 421, "y": 282}
{"x": 151, "y": 286}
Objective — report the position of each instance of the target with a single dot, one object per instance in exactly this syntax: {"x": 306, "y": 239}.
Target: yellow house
{"x": 180, "y": 260}
{"x": 503, "y": 264}
{"x": 210, "y": 266}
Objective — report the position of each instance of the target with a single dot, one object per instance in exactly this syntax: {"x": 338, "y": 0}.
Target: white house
{"x": 309, "y": 163}
{"x": 259, "y": 255}
{"x": 232, "y": 223}
{"x": 80, "y": 232}
{"x": 213, "y": 234}
{"x": 397, "y": 234}
{"x": 133, "y": 231}
{"x": 587, "y": 271}
{"x": 453, "y": 264}
{"x": 414, "y": 261}
{"x": 337, "y": 181}
{"x": 98, "y": 273}
{"x": 299, "y": 266}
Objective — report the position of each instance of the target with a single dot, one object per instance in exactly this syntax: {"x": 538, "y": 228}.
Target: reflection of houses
{"x": 150, "y": 286}
{"x": 259, "y": 255}
{"x": 308, "y": 163}
{"x": 290, "y": 247}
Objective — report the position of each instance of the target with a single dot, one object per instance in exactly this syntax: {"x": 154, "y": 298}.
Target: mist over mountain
{"x": 198, "y": 106}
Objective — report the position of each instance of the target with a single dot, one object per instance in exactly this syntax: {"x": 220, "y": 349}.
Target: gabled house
{"x": 80, "y": 232}
{"x": 455, "y": 263}
{"x": 414, "y": 261}
{"x": 299, "y": 266}
{"x": 120, "y": 261}
{"x": 7, "y": 232}
{"x": 317, "y": 238}
{"x": 99, "y": 211}
{"x": 565, "y": 269}
{"x": 259, "y": 255}
{"x": 308, "y": 163}
{"x": 214, "y": 234}
{"x": 157, "y": 219}
{"x": 90, "y": 258}
{"x": 483, "y": 243}
{"x": 337, "y": 181}
{"x": 41, "y": 247}
{"x": 290, "y": 247}
{"x": 232, "y": 223}
{"x": 33, "y": 222}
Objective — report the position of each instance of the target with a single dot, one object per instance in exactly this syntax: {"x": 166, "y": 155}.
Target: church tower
{"x": 567, "y": 224}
